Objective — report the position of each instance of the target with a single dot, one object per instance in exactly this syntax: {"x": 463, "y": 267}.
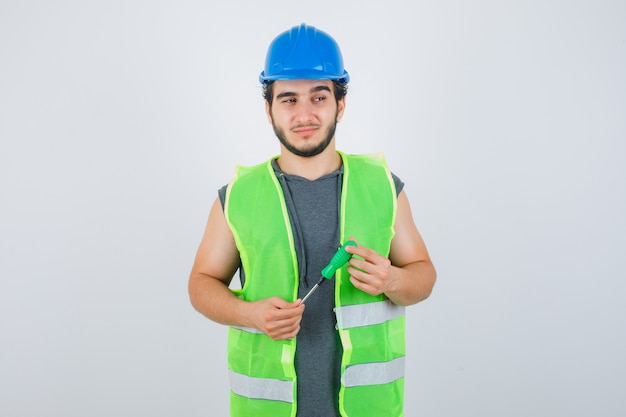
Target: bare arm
{"x": 216, "y": 262}
{"x": 408, "y": 275}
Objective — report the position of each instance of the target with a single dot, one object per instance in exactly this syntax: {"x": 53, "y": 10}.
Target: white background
{"x": 120, "y": 119}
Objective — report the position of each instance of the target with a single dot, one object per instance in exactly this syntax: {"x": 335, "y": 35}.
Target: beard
{"x": 309, "y": 151}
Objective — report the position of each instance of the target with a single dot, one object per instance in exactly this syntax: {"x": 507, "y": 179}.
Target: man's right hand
{"x": 277, "y": 318}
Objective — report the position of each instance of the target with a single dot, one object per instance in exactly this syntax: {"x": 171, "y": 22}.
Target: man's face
{"x": 304, "y": 115}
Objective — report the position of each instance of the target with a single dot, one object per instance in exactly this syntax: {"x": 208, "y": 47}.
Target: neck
{"x": 312, "y": 167}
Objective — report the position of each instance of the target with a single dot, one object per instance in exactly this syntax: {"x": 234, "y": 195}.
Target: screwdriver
{"x": 338, "y": 260}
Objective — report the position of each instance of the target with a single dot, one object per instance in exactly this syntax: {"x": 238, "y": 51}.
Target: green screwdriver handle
{"x": 339, "y": 259}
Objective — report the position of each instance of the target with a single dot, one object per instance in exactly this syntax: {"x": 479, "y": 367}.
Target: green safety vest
{"x": 371, "y": 328}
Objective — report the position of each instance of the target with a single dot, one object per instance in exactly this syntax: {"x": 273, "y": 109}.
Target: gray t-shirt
{"x": 313, "y": 208}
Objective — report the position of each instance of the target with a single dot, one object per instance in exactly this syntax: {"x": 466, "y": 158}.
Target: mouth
{"x": 305, "y": 130}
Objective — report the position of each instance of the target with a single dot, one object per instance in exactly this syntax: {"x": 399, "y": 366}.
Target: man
{"x": 342, "y": 352}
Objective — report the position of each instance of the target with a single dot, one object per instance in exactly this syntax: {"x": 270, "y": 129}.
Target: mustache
{"x": 303, "y": 125}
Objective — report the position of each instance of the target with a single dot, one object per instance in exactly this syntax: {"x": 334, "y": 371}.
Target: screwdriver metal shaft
{"x": 312, "y": 290}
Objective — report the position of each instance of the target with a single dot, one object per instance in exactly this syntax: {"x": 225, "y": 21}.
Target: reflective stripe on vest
{"x": 247, "y": 329}
{"x": 261, "y": 388}
{"x": 373, "y": 373}
{"x": 367, "y": 314}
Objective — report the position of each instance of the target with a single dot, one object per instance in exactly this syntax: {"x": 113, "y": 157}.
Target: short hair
{"x": 340, "y": 87}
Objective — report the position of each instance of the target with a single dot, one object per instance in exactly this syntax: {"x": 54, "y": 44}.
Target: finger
{"x": 361, "y": 276}
{"x": 287, "y": 335}
{"x": 296, "y": 304}
{"x": 368, "y": 282}
{"x": 288, "y": 313}
{"x": 364, "y": 286}
{"x": 284, "y": 330}
{"x": 365, "y": 253}
{"x": 360, "y": 265}
{"x": 279, "y": 302}
{"x": 278, "y": 326}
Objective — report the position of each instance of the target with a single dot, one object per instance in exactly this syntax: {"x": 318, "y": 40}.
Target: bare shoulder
{"x": 217, "y": 254}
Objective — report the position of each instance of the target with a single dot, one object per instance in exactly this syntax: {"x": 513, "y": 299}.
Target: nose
{"x": 303, "y": 112}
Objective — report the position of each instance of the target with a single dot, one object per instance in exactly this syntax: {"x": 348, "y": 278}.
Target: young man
{"x": 342, "y": 352}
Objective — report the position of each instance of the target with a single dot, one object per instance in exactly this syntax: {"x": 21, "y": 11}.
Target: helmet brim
{"x": 304, "y": 75}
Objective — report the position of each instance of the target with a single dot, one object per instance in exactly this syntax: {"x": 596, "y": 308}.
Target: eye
{"x": 319, "y": 98}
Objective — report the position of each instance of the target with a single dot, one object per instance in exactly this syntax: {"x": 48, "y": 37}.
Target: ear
{"x": 268, "y": 111}
{"x": 341, "y": 106}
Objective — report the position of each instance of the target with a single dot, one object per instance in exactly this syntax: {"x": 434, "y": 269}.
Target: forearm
{"x": 411, "y": 283}
{"x": 273, "y": 316}
{"x": 215, "y": 300}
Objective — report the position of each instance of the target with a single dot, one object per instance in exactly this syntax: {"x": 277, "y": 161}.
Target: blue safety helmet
{"x": 304, "y": 52}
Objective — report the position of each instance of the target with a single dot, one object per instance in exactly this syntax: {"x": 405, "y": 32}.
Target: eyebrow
{"x": 313, "y": 90}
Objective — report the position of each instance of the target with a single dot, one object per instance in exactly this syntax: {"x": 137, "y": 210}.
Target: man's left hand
{"x": 370, "y": 274}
